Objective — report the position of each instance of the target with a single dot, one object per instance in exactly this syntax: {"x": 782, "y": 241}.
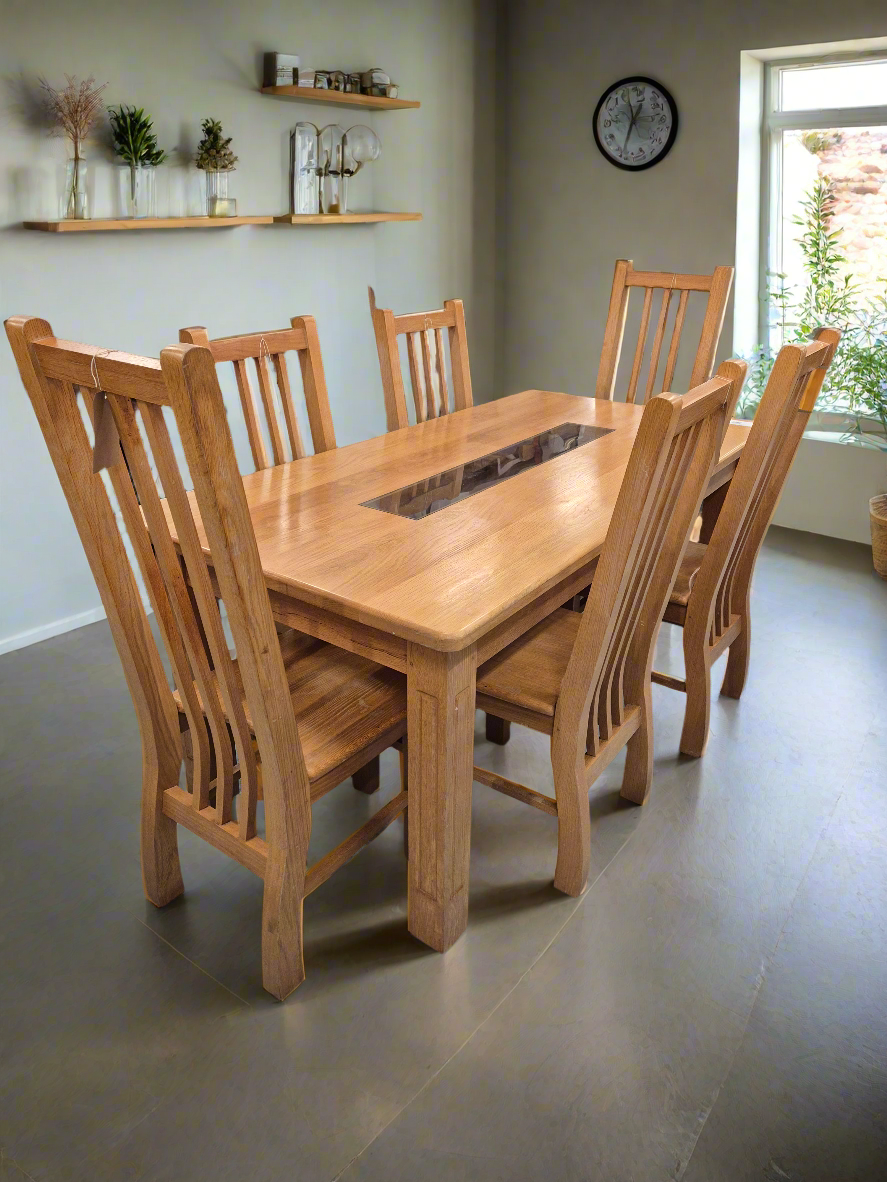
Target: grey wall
{"x": 570, "y": 213}
{"x": 183, "y": 62}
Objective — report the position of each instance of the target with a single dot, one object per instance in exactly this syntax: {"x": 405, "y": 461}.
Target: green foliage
{"x": 214, "y": 152}
{"x": 856, "y": 384}
{"x": 817, "y": 141}
{"x": 134, "y": 138}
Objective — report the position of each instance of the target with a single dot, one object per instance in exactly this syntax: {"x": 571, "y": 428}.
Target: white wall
{"x": 570, "y": 213}
{"x": 184, "y": 62}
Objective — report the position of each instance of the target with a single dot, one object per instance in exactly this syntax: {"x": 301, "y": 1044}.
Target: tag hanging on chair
{"x": 106, "y": 451}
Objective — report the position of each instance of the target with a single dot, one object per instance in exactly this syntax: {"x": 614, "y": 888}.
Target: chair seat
{"x": 344, "y": 703}
{"x": 528, "y": 673}
{"x": 687, "y": 573}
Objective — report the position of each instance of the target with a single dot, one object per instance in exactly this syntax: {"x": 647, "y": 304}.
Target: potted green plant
{"x": 216, "y": 158}
{"x": 136, "y": 145}
{"x": 854, "y": 395}
{"x": 73, "y": 111}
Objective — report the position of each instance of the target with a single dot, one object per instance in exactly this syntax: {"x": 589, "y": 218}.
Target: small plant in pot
{"x": 216, "y": 158}
{"x": 136, "y": 145}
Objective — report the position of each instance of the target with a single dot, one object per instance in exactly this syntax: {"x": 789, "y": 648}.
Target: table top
{"x": 446, "y": 579}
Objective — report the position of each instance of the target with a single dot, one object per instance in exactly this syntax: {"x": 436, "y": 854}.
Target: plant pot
{"x": 217, "y": 203}
{"x": 878, "y": 517}
{"x": 75, "y": 198}
{"x": 138, "y": 190}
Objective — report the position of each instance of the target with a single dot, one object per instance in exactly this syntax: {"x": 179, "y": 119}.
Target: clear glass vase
{"x": 138, "y": 190}
{"x": 218, "y": 204}
{"x": 75, "y": 198}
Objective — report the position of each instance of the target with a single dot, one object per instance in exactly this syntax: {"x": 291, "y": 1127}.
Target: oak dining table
{"x": 417, "y": 551}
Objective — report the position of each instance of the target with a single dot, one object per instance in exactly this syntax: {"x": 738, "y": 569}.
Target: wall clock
{"x": 635, "y": 123}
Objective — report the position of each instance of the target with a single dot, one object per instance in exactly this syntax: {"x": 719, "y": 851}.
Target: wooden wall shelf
{"x": 84, "y": 225}
{"x": 306, "y": 94}
{"x": 343, "y": 219}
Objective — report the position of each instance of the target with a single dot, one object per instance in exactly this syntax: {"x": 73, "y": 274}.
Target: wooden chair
{"x": 710, "y": 598}
{"x": 584, "y": 677}
{"x": 273, "y": 346}
{"x": 260, "y": 348}
{"x": 717, "y": 288}
{"x": 307, "y": 717}
{"x": 428, "y": 378}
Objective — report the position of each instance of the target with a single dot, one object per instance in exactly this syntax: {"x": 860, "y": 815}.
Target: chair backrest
{"x": 273, "y": 346}
{"x": 717, "y": 289}
{"x": 724, "y": 577}
{"x": 608, "y": 674}
{"x": 125, "y": 399}
{"x": 426, "y": 360}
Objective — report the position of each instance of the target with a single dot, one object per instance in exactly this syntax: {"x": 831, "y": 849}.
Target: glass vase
{"x": 138, "y": 190}
{"x": 217, "y": 202}
{"x": 75, "y": 199}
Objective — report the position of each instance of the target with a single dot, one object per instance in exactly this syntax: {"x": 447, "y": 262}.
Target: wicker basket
{"x": 878, "y": 515}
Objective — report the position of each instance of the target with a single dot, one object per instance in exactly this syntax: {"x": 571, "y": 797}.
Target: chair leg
{"x": 367, "y": 779}
{"x": 498, "y": 730}
{"x": 737, "y": 662}
{"x": 573, "y": 834}
{"x": 638, "y": 775}
{"x": 161, "y": 872}
{"x": 694, "y": 735}
{"x": 283, "y": 968}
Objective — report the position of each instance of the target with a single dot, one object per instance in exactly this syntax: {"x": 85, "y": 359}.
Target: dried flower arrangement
{"x": 73, "y": 112}
{"x": 214, "y": 153}
{"x": 75, "y": 109}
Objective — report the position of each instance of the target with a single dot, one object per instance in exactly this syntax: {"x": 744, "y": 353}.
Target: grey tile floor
{"x": 713, "y": 1009}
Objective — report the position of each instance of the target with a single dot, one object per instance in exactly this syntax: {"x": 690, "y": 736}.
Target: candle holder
{"x": 322, "y": 163}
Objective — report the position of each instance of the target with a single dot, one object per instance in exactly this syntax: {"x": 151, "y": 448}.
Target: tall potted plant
{"x": 855, "y": 390}
{"x": 73, "y": 112}
{"x": 216, "y": 158}
{"x": 136, "y": 145}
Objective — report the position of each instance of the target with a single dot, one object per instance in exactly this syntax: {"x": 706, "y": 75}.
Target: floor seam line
{"x": 496, "y": 1007}
{"x": 193, "y": 963}
{"x": 760, "y": 984}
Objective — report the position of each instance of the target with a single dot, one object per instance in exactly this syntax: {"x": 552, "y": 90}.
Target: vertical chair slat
{"x": 289, "y": 410}
{"x": 416, "y": 379}
{"x": 442, "y": 373}
{"x": 676, "y": 330}
{"x": 270, "y": 409}
{"x": 639, "y": 349}
{"x": 657, "y": 343}
{"x": 250, "y": 415}
{"x": 427, "y": 372}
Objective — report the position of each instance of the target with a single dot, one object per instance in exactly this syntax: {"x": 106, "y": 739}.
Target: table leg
{"x": 440, "y": 728}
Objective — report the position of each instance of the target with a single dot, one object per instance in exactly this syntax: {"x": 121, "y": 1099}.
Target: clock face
{"x": 635, "y": 123}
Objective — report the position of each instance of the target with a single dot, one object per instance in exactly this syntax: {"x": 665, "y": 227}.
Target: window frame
{"x": 775, "y": 122}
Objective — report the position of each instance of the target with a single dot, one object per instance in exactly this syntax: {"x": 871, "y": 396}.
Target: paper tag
{"x": 106, "y": 452}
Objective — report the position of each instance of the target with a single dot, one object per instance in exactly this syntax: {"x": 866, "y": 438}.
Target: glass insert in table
{"x": 455, "y": 484}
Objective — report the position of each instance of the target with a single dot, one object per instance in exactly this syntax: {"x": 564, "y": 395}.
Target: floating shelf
{"x": 333, "y": 219}
{"x": 84, "y": 225}
{"x": 308, "y": 94}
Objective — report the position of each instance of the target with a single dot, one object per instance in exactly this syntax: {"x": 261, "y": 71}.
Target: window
{"x": 825, "y": 245}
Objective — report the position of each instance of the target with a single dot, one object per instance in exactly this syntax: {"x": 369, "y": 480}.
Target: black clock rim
{"x": 672, "y": 135}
